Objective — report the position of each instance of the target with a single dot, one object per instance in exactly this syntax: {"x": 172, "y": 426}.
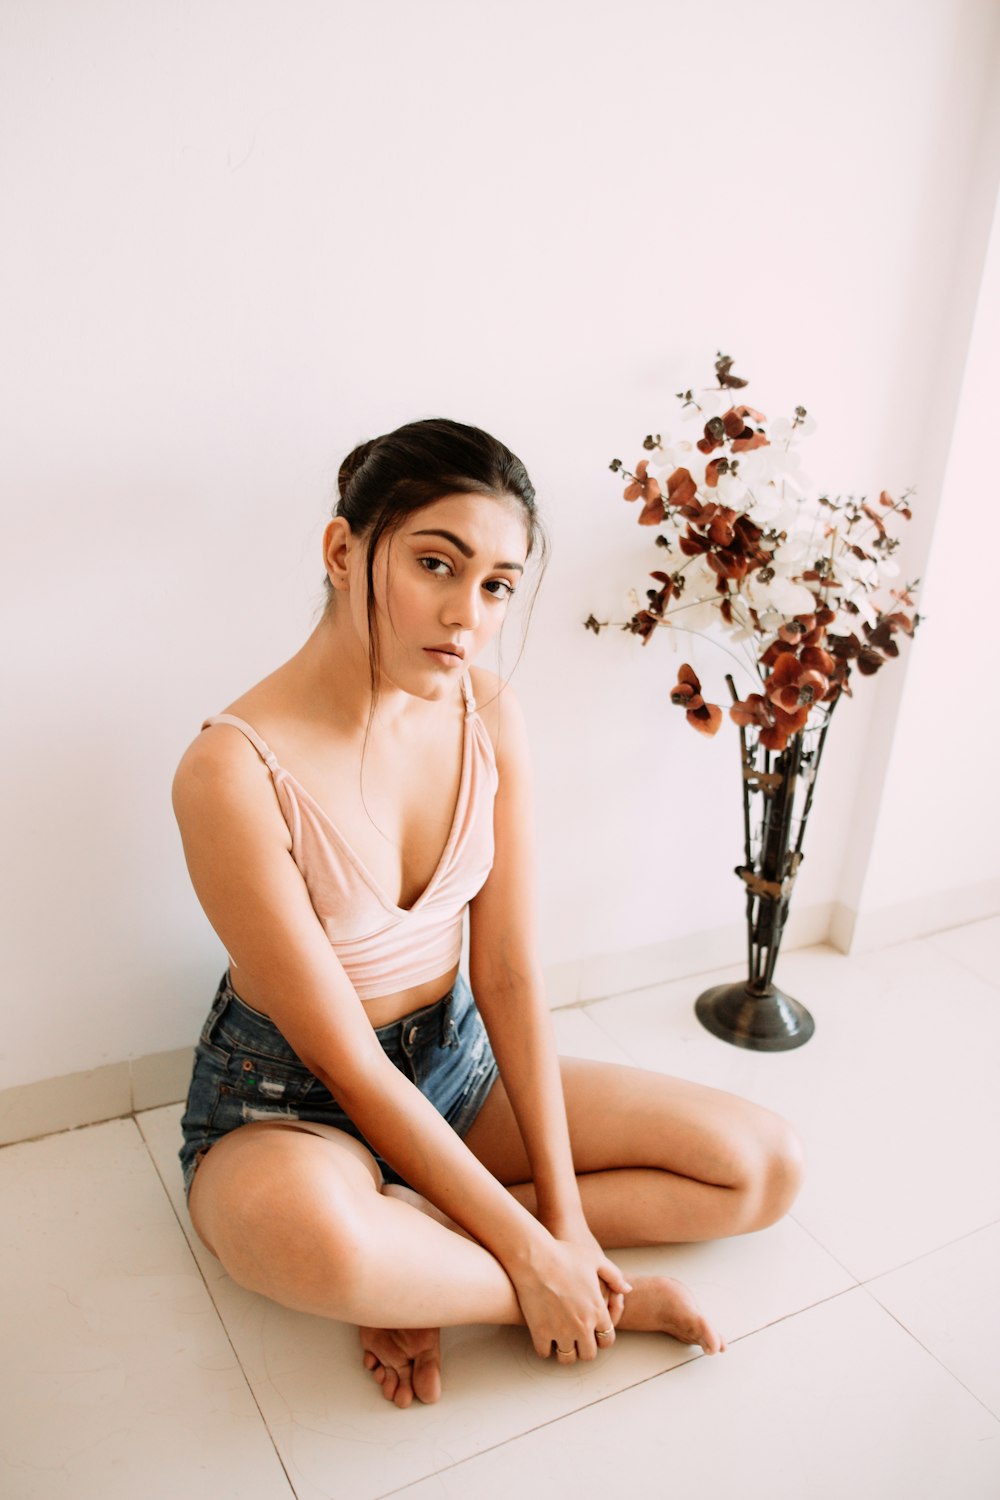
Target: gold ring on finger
{"x": 604, "y": 1333}
{"x": 564, "y": 1352}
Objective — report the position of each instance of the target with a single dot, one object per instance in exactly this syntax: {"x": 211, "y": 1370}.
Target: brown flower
{"x": 752, "y": 710}
{"x": 817, "y": 660}
{"x": 794, "y": 631}
{"x": 750, "y": 439}
{"x": 735, "y": 422}
{"x": 653, "y": 510}
{"x": 681, "y": 489}
{"x": 643, "y": 624}
{"x": 792, "y": 685}
{"x": 777, "y": 735}
{"x": 723, "y": 366}
{"x": 848, "y": 648}
{"x": 705, "y": 717}
{"x": 659, "y": 599}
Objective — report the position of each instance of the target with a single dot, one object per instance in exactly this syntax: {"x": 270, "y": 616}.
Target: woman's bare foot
{"x": 406, "y": 1362}
{"x": 659, "y": 1304}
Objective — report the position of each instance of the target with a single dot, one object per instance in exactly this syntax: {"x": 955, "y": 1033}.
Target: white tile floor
{"x": 864, "y": 1330}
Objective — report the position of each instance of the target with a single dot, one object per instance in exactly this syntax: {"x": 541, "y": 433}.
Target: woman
{"x": 355, "y": 1143}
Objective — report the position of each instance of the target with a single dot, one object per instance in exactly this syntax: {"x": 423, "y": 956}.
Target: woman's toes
{"x": 427, "y": 1376}
{"x": 710, "y": 1341}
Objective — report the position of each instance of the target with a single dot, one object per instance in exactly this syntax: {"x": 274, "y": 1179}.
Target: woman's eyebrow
{"x": 465, "y": 549}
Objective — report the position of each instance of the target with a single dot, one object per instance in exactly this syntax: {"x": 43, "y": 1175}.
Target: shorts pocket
{"x": 255, "y": 1088}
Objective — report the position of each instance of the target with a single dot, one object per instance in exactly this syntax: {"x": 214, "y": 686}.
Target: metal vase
{"x": 777, "y": 796}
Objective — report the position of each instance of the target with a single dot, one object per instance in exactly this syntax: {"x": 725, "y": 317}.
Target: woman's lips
{"x": 446, "y": 658}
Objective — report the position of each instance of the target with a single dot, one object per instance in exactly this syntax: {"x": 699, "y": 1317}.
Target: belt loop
{"x": 449, "y": 1031}
{"x": 218, "y": 1008}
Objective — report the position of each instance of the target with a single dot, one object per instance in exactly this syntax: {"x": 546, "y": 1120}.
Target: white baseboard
{"x": 860, "y": 932}
{"x": 597, "y": 978}
{"x": 75, "y": 1099}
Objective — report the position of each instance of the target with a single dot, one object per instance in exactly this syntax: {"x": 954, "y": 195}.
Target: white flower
{"x": 732, "y": 490}
{"x": 847, "y": 623}
{"x": 766, "y": 502}
{"x": 779, "y": 594}
{"x": 887, "y": 568}
{"x": 669, "y": 456}
{"x": 742, "y": 627}
{"x": 712, "y": 403}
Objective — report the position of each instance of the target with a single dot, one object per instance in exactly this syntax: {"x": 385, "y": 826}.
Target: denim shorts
{"x": 244, "y": 1070}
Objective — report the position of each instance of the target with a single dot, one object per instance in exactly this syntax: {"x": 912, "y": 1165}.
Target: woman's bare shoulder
{"x": 222, "y": 751}
{"x": 221, "y": 781}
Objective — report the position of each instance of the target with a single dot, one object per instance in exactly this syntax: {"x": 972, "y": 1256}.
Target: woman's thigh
{"x": 628, "y": 1117}
{"x": 271, "y": 1179}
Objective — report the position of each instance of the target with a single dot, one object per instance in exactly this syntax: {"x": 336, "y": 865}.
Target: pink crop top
{"x": 385, "y": 948}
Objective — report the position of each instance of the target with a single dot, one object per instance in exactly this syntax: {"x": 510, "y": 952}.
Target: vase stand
{"x": 765, "y": 1020}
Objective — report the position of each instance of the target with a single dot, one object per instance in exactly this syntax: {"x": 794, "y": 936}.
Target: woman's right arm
{"x": 238, "y": 853}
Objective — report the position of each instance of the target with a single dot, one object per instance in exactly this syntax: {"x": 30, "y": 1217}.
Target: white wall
{"x": 935, "y": 853}
{"x": 239, "y": 238}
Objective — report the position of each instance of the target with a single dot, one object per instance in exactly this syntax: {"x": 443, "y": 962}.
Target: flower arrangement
{"x": 796, "y": 579}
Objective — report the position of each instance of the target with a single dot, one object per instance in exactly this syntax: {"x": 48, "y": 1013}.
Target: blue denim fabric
{"x": 245, "y": 1070}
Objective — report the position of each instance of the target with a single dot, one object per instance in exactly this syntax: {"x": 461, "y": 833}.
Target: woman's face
{"x": 442, "y": 584}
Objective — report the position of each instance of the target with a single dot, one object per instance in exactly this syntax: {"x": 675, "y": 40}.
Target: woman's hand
{"x": 571, "y": 1296}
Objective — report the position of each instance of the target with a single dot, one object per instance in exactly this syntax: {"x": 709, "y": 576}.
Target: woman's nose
{"x": 462, "y": 607}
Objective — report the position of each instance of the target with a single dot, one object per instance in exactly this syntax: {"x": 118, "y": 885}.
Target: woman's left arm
{"x": 507, "y": 983}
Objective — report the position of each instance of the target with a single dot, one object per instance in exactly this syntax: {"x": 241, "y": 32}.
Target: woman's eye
{"x": 431, "y": 564}
{"x": 499, "y": 587}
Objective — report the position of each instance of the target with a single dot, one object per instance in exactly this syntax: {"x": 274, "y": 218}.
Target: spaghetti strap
{"x": 468, "y": 694}
{"x": 266, "y": 755}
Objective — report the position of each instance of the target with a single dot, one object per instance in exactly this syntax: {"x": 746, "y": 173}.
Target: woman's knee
{"x": 282, "y": 1214}
{"x": 776, "y": 1170}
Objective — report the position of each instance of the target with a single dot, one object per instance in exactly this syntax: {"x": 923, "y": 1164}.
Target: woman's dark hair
{"x": 386, "y": 479}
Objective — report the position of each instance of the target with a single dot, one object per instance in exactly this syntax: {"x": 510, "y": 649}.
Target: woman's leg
{"x": 303, "y": 1219}
{"x": 659, "y": 1160}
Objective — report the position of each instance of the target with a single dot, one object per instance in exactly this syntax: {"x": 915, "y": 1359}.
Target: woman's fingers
{"x": 616, "y": 1306}
{"x": 574, "y": 1321}
{"x": 613, "y": 1278}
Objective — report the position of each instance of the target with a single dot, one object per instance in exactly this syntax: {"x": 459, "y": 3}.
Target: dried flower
{"x": 790, "y": 575}
{"x": 705, "y": 717}
{"x": 653, "y": 510}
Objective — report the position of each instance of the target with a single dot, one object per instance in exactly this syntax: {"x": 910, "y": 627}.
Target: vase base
{"x": 771, "y": 1022}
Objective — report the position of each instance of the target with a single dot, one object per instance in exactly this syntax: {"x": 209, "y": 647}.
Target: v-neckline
{"x": 355, "y": 858}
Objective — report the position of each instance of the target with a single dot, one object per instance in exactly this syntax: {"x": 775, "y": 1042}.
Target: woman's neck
{"x": 331, "y": 674}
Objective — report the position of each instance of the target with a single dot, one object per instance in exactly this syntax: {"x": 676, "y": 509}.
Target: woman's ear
{"x": 338, "y": 542}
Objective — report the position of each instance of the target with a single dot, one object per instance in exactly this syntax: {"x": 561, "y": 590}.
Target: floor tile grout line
{"x": 825, "y": 1249}
{"x": 952, "y": 958}
{"x": 936, "y": 1358}
{"x": 540, "y": 1426}
{"x": 218, "y": 1313}
{"x": 926, "y": 1254}
{"x": 923, "y": 1255}
{"x": 611, "y": 1395}
{"x": 798, "y": 1312}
